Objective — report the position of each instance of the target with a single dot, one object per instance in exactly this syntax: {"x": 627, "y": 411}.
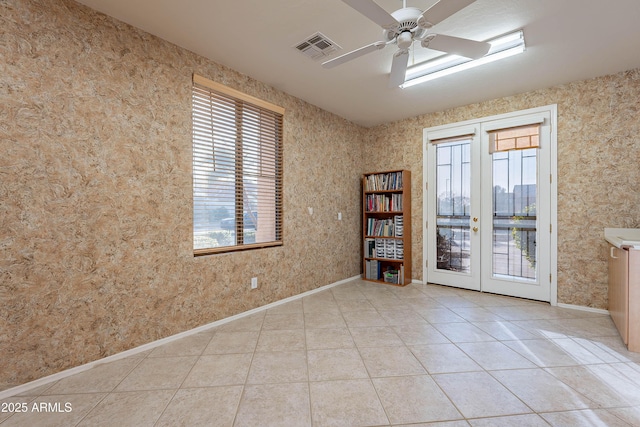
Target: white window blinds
{"x": 237, "y": 170}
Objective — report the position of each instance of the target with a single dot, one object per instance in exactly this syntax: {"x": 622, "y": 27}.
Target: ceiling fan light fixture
{"x": 404, "y": 40}
{"x": 501, "y": 47}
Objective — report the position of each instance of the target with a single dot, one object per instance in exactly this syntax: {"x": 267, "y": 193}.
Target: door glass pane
{"x": 514, "y": 213}
{"x": 453, "y": 191}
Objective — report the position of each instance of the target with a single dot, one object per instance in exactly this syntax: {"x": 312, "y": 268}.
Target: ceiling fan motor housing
{"x": 408, "y": 19}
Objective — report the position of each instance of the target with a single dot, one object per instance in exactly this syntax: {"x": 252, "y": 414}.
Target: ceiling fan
{"x": 408, "y": 25}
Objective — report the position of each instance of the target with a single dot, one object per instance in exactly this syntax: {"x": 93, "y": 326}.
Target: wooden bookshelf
{"x": 386, "y": 227}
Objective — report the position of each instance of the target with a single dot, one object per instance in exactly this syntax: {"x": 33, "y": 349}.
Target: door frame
{"x": 455, "y": 129}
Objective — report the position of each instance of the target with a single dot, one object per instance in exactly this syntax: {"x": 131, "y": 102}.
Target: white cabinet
{"x": 624, "y": 294}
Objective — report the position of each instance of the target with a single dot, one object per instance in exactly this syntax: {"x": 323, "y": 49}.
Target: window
{"x": 237, "y": 170}
{"x": 516, "y": 138}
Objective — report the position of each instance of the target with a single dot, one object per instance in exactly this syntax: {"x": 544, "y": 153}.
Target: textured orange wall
{"x": 95, "y": 193}
{"x": 598, "y": 171}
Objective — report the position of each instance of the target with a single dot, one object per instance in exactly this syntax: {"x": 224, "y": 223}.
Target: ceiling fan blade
{"x": 371, "y": 10}
{"x": 354, "y": 54}
{"x": 399, "y": 68}
{"x": 457, "y": 46}
{"x": 441, "y": 11}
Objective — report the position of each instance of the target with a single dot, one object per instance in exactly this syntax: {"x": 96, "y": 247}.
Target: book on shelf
{"x": 384, "y": 181}
{"x": 373, "y": 270}
{"x": 389, "y": 227}
{"x": 369, "y": 248}
{"x": 381, "y": 227}
{"x": 384, "y": 202}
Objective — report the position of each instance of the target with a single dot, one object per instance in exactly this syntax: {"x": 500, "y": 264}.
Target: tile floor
{"x": 363, "y": 354}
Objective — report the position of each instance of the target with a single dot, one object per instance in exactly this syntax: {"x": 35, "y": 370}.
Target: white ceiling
{"x": 567, "y": 40}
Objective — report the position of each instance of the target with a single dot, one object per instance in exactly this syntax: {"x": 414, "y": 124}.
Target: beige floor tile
{"x": 224, "y": 342}
{"x": 592, "y": 418}
{"x": 420, "y": 333}
{"x": 14, "y": 405}
{"x": 395, "y": 318}
{"x": 460, "y": 423}
{"x": 319, "y": 320}
{"x": 376, "y": 290}
{"x": 193, "y": 345}
{"x": 409, "y": 292}
{"x": 476, "y": 314}
{"x": 414, "y": 399}
{"x": 336, "y": 364}
{"x": 355, "y": 305}
{"x": 53, "y": 411}
{"x": 607, "y": 349}
{"x": 281, "y": 340}
{"x": 505, "y": 331}
{"x": 606, "y": 392}
{"x": 590, "y": 327}
{"x": 132, "y": 408}
{"x": 375, "y": 337}
{"x": 102, "y": 378}
{"x": 463, "y": 332}
{"x": 544, "y": 353}
{"x": 319, "y": 339}
{"x": 278, "y": 367}
{"x": 289, "y": 307}
{"x": 623, "y": 377}
{"x": 317, "y": 355}
{"x": 158, "y": 373}
{"x": 269, "y": 405}
{"x": 528, "y": 420}
{"x": 214, "y": 407}
{"x": 495, "y": 355}
{"x": 346, "y": 403}
{"x": 37, "y": 391}
{"x": 435, "y": 291}
{"x": 317, "y": 302}
{"x": 455, "y": 301}
{"x": 347, "y": 293}
{"x": 444, "y": 358}
{"x": 439, "y": 315}
{"x": 541, "y": 391}
{"x": 628, "y": 415}
{"x": 389, "y": 303}
{"x": 249, "y": 323}
{"x": 577, "y": 351}
{"x": 543, "y": 328}
{"x": 283, "y": 321}
{"x": 362, "y": 319}
{"x": 488, "y": 300}
{"x": 218, "y": 370}
{"x": 423, "y": 303}
{"x": 391, "y": 361}
{"x": 477, "y": 394}
{"x": 516, "y": 313}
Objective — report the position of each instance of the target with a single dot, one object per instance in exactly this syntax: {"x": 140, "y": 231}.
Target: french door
{"x": 488, "y": 200}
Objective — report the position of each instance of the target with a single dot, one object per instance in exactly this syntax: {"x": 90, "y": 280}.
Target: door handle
{"x": 611, "y": 249}
{"x": 475, "y": 219}
{"x": 475, "y": 229}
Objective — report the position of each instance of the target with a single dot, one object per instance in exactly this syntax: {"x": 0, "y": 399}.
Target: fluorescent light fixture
{"x": 501, "y": 47}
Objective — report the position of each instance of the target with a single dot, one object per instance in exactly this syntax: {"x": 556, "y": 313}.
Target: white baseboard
{"x": 583, "y": 308}
{"x": 149, "y": 346}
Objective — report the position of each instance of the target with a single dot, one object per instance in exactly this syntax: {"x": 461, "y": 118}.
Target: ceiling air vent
{"x": 317, "y": 46}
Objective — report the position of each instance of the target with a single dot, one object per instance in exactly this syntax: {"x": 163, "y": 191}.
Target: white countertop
{"x": 623, "y": 237}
